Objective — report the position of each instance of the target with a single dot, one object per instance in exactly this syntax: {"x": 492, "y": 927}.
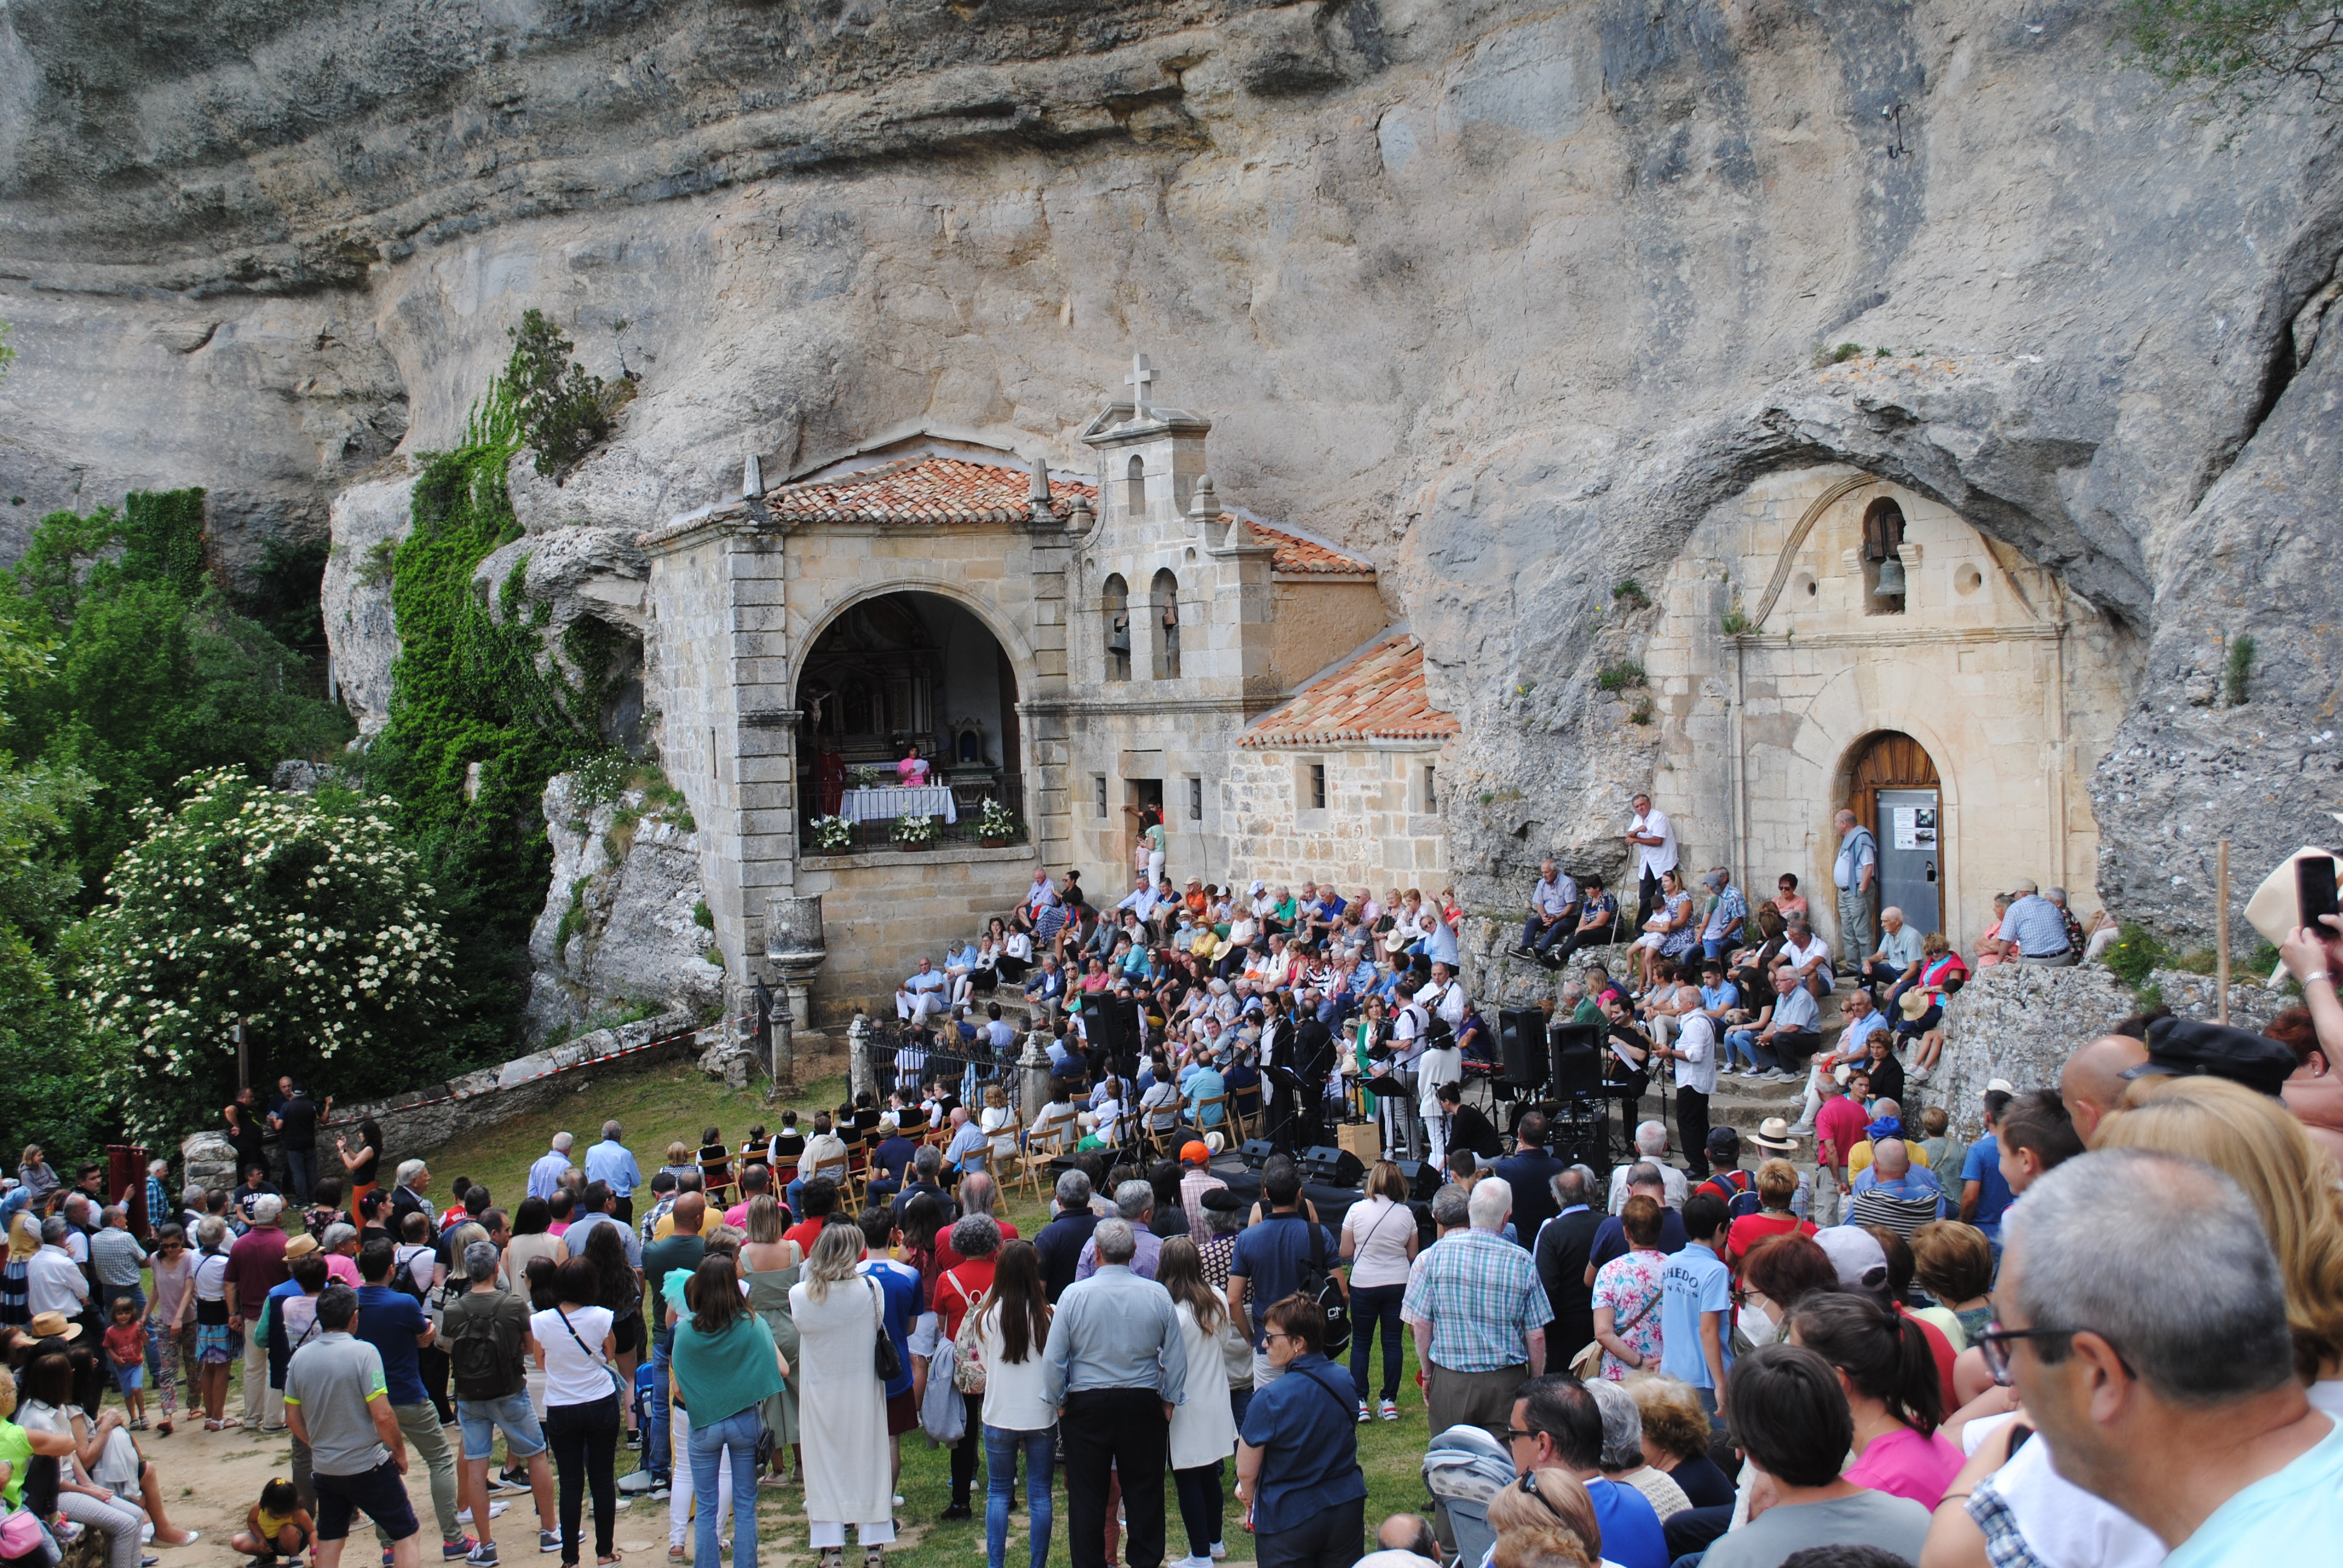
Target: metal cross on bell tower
{"x": 1139, "y": 378}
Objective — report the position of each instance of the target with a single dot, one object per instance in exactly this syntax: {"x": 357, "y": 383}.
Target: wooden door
{"x": 1888, "y": 761}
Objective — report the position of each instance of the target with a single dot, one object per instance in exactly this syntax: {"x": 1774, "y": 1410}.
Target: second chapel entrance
{"x": 1894, "y": 790}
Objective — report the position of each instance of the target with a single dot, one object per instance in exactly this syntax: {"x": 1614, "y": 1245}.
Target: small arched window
{"x": 1134, "y": 487}
{"x": 1114, "y": 601}
{"x": 1164, "y": 616}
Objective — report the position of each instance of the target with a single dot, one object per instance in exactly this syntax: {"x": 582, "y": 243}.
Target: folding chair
{"x": 1199, "y": 1120}
{"x": 716, "y": 1171}
{"x": 1244, "y": 1116}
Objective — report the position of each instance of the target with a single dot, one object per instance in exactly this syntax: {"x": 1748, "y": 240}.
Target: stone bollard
{"x": 1034, "y": 1073}
{"x": 208, "y": 1160}
{"x": 860, "y": 1077}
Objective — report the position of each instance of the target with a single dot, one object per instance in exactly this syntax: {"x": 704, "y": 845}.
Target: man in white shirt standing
{"x": 1693, "y": 1053}
{"x": 1650, "y": 1148}
{"x": 1853, "y": 873}
{"x": 1651, "y": 838}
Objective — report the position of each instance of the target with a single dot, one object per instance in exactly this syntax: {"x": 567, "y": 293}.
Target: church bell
{"x": 1118, "y": 634}
{"x": 1891, "y": 578}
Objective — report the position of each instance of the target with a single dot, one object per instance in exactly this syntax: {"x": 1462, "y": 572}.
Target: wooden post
{"x": 2221, "y": 932}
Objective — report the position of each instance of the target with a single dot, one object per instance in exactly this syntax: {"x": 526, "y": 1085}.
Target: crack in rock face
{"x": 1507, "y": 298}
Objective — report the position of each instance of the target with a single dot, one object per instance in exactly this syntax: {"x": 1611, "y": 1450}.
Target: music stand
{"x": 1385, "y": 1087}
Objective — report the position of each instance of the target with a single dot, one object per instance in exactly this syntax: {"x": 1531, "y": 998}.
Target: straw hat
{"x": 52, "y": 1326}
{"x": 1775, "y": 1134}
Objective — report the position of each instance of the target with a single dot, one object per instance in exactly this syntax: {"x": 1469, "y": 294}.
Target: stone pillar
{"x": 1034, "y": 1073}
{"x": 859, "y": 1075}
{"x": 1049, "y": 556}
{"x": 795, "y": 947}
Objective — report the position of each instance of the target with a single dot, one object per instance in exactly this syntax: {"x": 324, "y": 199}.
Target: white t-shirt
{"x": 573, "y": 1374}
{"x": 1653, "y": 858}
{"x": 1378, "y": 1230}
{"x": 1799, "y": 957}
{"x": 1016, "y": 1396}
{"x": 1435, "y": 1068}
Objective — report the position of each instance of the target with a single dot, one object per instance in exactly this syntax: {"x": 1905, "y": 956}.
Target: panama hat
{"x": 1775, "y": 1134}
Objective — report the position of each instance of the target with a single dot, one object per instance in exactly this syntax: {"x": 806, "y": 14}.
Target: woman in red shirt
{"x": 957, "y": 1291}
{"x": 1777, "y": 1184}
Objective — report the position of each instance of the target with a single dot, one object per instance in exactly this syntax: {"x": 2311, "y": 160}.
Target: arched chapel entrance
{"x": 1893, "y": 789}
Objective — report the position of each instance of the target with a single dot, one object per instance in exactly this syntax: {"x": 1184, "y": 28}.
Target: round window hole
{"x": 1806, "y": 585}
{"x": 1968, "y": 579}
{"x": 1191, "y": 554}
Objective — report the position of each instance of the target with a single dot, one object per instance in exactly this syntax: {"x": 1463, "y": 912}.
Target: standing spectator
{"x": 1720, "y": 932}
{"x": 1204, "y": 1429}
{"x": 1061, "y": 1243}
{"x": 1985, "y": 1191}
{"x": 1379, "y": 1241}
{"x": 975, "y": 1241}
{"x": 1694, "y": 1053}
{"x": 1268, "y": 1264}
{"x": 297, "y": 1135}
{"x": 545, "y": 1177}
{"x": 256, "y": 1266}
{"x": 1839, "y": 1126}
{"x": 1892, "y": 1391}
{"x": 33, "y": 1169}
{"x": 1116, "y": 1369}
{"x": 336, "y": 1404}
{"x": 2035, "y": 1136}
{"x": 1480, "y": 1315}
{"x": 1852, "y": 873}
{"x": 1651, "y": 1150}
{"x": 1012, "y": 1331}
{"x": 486, "y": 1332}
{"x": 359, "y": 1169}
{"x": 1561, "y": 1250}
{"x": 1554, "y": 1423}
{"x": 117, "y": 1261}
{"x": 1790, "y": 1416}
{"x": 1530, "y": 1172}
{"x": 726, "y": 1365}
{"x": 214, "y": 1339}
{"x": 1554, "y": 914}
{"x": 393, "y": 1321}
{"x": 574, "y": 1350}
{"x": 843, "y": 1402}
{"x": 612, "y": 1163}
{"x": 54, "y": 1282}
{"x": 171, "y": 1321}
{"x": 1628, "y": 1292}
{"x": 1776, "y": 1187}
{"x": 1697, "y": 1302}
{"x": 407, "y": 1197}
{"x": 901, "y": 1285}
{"x": 1651, "y": 840}
{"x": 248, "y": 1129}
{"x": 1298, "y": 1466}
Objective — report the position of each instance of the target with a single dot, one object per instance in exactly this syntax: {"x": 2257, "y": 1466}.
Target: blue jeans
{"x": 1000, "y": 1448}
{"x": 738, "y": 1433}
{"x": 658, "y": 1457}
{"x": 1742, "y": 1043}
{"x": 301, "y": 1172}
{"x": 1371, "y": 1305}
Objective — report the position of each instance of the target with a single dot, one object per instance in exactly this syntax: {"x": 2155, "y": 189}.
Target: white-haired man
{"x": 545, "y": 1177}
{"x": 1853, "y": 873}
{"x": 1652, "y": 1148}
{"x": 1897, "y": 963}
{"x": 2036, "y": 928}
{"x": 256, "y": 1266}
{"x": 1479, "y": 1311}
{"x": 921, "y": 997}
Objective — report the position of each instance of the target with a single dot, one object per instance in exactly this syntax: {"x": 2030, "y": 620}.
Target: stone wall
{"x": 1377, "y": 829}
{"x": 2021, "y": 1024}
{"x": 883, "y": 909}
{"x": 416, "y": 1124}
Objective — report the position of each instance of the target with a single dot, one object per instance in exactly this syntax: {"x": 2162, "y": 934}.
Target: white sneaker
{"x": 495, "y": 1509}
{"x": 1220, "y": 1550}
{"x": 1802, "y": 1130}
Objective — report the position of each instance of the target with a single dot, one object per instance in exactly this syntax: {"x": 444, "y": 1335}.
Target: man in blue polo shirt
{"x": 1298, "y": 1454}
{"x": 1266, "y": 1266}
{"x": 392, "y": 1321}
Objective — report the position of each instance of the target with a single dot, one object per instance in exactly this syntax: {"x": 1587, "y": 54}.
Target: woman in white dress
{"x": 843, "y": 1404}
{"x": 1441, "y": 1064}
{"x": 1204, "y": 1426}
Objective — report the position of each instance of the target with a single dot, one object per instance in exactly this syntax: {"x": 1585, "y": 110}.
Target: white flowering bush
{"x": 303, "y": 916}
{"x": 998, "y": 821}
{"x": 832, "y": 833}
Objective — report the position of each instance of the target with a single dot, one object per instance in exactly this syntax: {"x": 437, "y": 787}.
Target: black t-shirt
{"x": 1707, "y": 1486}
{"x": 1611, "y": 1241}
{"x": 296, "y": 1124}
{"x": 1469, "y": 1129}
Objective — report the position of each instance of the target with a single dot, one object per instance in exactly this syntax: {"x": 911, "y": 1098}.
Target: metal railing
{"x": 879, "y": 807}
{"x": 905, "y": 1059}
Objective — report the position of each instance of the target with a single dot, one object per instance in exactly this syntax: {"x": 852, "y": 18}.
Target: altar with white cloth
{"x": 887, "y": 802}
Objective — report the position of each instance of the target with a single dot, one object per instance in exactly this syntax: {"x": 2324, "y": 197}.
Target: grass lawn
{"x": 674, "y": 1102}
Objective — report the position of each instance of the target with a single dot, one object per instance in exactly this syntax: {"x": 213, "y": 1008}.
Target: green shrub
{"x": 2134, "y": 951}
{"x": 1617, "y": 677}
{"x": 2241, "y": 668}
{"x": 560, "y": 404}
{"x": 1631, "y": 593}
{"x": 702, "y": 916}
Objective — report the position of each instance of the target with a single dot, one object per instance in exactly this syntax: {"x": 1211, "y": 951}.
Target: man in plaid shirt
{"x": 1480, "y": 1315}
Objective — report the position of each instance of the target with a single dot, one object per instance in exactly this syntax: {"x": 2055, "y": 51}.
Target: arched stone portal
{"x": 896, "y": 670}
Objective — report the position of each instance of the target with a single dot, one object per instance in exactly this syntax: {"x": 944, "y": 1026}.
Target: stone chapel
{"x": 1073, "y": 645}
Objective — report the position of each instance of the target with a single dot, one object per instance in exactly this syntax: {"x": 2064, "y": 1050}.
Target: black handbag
{"x": 884, "y": 1355}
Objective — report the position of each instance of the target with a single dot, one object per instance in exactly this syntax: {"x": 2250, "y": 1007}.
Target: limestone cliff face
{"x": 1505, "y": 294}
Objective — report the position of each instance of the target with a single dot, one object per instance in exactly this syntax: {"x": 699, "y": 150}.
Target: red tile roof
{"x": 1377, "y": 695}
{"x": 1308, "y": 556}
{"x": 923, "y": 490}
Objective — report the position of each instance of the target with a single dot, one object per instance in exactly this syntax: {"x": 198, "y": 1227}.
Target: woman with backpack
{"x": 726, "y": 1365}
{"x": 955, "y": 1294}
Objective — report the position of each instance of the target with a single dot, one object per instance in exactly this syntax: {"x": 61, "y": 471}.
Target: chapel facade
{"x": 1076, "y": 644}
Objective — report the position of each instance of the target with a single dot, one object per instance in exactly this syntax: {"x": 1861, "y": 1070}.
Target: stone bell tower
{"x": 1150, "y": 458}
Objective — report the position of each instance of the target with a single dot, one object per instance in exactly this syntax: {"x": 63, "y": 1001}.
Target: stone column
{"x": 859, "y": 1075}
{"x": 1034, "y": 1070}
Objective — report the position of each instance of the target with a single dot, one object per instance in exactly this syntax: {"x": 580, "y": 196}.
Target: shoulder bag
{"x": 618, "y": 1384}
{"x": 1588, "y": 1363}
{"x": 885, "y": 1359}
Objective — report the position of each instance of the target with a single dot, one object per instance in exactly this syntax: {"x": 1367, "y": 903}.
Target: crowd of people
{"x": 1744, "y": 1359}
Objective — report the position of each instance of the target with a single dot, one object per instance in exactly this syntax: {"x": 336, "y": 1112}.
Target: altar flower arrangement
{"x": 915, "y": 831}
{"x": 832, "y": 833}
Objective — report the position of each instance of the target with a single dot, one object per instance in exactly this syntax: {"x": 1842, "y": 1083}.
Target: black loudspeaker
{"x": 1331, "y": 1167}
{"x": 1422, "y": 1179}
{"x": 1576, "y": 1051}
{"x": 1256, "y": 1152}
{"x": 1520, "y": 1046}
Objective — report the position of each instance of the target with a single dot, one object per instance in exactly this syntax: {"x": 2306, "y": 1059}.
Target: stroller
{"x": 1464, "y": 1469}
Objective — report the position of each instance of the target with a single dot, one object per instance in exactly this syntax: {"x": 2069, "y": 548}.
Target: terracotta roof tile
{"x": 1296, "y": 554}
{"x": 1377, "y": 696}
{"x": 922, "y": 490}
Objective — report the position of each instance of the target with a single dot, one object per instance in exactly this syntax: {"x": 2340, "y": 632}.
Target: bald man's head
{"x": 690, "y": 1209}
{"x": 2092, "y": 1083}
{"x": 1893, "y": 1157}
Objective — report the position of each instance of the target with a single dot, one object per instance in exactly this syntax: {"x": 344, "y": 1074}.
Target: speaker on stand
{"x": 1581, "y": 1130}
